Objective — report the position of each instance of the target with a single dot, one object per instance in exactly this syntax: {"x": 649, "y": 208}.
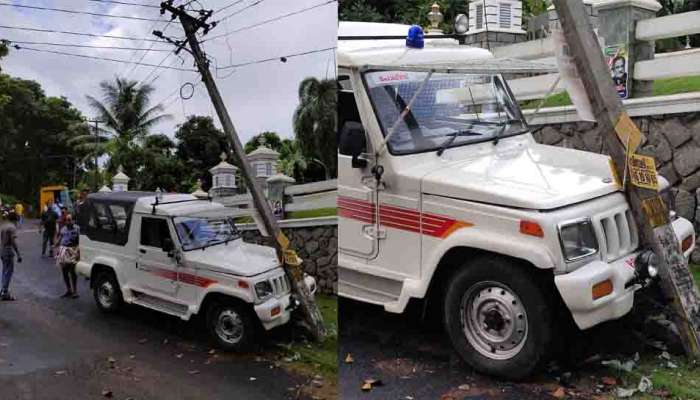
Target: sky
{"x": 259, "y": 97}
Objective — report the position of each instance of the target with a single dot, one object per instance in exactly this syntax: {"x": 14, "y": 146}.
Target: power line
{"x": 240, "y": 11}
{"x": 280, "y": 58}
{"x": 24, "y": 28}
{"x": 125, "y": 3}
{"x": 85, "y": 46}
{"x": 227, "y": 6}
{"x": 149, "y": 49}
{"x": 63, "y": 10}
{"x": 96, "y": 58}
{"x": 272, "y": 19}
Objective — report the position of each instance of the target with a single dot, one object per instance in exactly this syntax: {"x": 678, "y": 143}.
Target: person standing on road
{"x": 68, "y": 255}
{"x": 8, "y": 250}
{"x": 19, "y": 210}
{"x": 62, "y": 218}
{"x": 48, "y": 226}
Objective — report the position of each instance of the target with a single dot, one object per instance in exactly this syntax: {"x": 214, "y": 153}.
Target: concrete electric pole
{"x": 307, "y": 305}
{"x": 623, "y": 138}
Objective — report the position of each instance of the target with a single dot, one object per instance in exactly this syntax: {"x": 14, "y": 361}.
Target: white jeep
{"x": 444, "y": 195}
{"x": 182, "y": 256}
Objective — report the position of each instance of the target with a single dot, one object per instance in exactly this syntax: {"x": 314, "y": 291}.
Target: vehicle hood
{"x": 235, "y": 257}
{"x": 518, "y": 172}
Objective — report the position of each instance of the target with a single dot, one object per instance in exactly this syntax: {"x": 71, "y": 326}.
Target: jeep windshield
{"x": 447, "y": 110}
{"x": 197, "y": 233}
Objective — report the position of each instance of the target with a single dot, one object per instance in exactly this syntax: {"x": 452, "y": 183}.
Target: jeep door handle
{"x": 142, "y": 251}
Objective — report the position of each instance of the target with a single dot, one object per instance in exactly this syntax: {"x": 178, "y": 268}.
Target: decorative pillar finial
{"x": 435, "y": 17}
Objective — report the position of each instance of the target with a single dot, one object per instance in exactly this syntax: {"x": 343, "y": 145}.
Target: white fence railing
{"x": 665, "y": 65}
{"x": 312, "y": 196}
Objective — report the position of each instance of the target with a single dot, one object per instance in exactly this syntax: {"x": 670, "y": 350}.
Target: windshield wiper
{"x": 498, "y": 134}
{"x": 452, "y": 138}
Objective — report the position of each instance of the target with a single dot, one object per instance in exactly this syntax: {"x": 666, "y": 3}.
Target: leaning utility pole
{"x": 623, "y": 138}
{"x": 292, "y": 263}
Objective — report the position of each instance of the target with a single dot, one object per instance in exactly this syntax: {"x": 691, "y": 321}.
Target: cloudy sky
{"x": 259, "y": 97}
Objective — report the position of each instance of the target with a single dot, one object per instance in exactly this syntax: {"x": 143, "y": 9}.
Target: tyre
{"x": 107, "y": 293}
{"x": 231, "y": 326}
{"x": 498, "y": 317}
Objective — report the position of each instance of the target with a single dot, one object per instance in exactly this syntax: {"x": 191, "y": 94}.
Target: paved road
{"x": 413, "y": 362}
{"x": 55, "y": 349}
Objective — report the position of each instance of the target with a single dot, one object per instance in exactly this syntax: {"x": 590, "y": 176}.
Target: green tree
{"x": 34, "y": 134}
{"x": 292, "y": 161}
{"x": 127, "y": 116}
{"x": 271, "y": 140}
{"x": 160, "y": 168}
{"x": 315, "y": 122}
{"x": 200, "y": 143}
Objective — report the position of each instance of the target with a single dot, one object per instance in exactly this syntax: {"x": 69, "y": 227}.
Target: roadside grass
{"x": 661, "y": 87}
{"x": 318, "y": 358}
{"x": 682, "y": 382}
{"x": 319, "y": 212}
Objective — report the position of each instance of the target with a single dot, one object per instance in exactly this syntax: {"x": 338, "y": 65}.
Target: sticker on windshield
{"x": 392, "y": 77}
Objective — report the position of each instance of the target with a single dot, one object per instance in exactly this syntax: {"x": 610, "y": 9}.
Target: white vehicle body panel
{"x": 150, "y": 277}
{"x": 393, "y": 238}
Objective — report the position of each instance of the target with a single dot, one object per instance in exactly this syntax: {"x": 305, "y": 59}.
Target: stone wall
{"x": 316, "y": 245}
{"x": 672, "y": 139}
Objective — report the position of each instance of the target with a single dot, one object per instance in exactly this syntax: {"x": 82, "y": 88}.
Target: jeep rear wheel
{"x": 105, "y": 289}
{"x": 231, "y": 326}
{"x": 498, "y": 318}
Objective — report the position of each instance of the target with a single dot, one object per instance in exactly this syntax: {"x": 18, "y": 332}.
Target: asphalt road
{"x": 56, "y": 349}
{"x": 413, "y": 362}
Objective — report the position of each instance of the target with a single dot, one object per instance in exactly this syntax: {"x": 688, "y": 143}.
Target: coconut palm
{"x": 127, "y": 115}
{"x": 292, "y": 161}
{"x": 315, "y": 121}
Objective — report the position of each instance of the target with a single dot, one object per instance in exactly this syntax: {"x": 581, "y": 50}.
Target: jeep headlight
{"x": 578, "y": 239}
{"x": 263, "y": 290}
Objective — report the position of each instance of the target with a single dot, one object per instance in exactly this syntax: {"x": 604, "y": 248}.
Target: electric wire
{"x": 67, "y": 11}
{"x": 96, "y": 58}
{"x": 125, "y": 3}
{"x": 240, "y": 11}
{"x": 88, "y": 46}
{"x": 30, "y": 29}
{"x": 279, "y": 58}
{"x": 227, "y": 6}
{"x": 271, "y": 20}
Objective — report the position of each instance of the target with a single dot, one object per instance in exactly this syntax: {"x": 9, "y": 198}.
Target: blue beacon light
{"x": 415, "y": 37}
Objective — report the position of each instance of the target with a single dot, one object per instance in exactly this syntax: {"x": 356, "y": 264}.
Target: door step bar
{"x": 158, "y": 304}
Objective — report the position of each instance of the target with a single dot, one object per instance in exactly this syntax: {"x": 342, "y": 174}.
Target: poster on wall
{"x": 617, "y": 57}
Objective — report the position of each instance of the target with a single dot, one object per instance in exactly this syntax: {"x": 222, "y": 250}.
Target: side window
{"x": 153, "y": 231}
{"x": 108, "y": 222}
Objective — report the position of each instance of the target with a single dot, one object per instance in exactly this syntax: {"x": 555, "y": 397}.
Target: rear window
{"x": 104, "y": 221}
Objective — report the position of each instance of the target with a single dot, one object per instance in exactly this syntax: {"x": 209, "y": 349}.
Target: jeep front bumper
{"x": 277, "y": 311}
{"x": 577, "y": 288}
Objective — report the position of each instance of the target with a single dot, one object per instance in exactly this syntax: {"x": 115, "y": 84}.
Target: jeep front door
{"x": 156, "y": 268}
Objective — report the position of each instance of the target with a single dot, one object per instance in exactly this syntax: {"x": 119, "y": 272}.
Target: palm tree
{"x": 126, "y": 115}
{"x": 292, "y": 161}
{"x": 315, "y": 121}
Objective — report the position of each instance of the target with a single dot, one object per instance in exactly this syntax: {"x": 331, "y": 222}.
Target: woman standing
{"x": 68, "y": 239}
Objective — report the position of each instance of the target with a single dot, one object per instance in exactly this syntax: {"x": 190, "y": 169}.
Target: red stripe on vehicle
{"x": 399, "y": 217}
{"x": 189, "y": 279}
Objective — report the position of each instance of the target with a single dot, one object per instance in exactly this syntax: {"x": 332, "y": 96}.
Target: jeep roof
{"x": 175, "y": 204}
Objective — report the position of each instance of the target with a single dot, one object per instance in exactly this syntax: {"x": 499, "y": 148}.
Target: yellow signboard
{"x": 642, "y": 171}
{"x": 615, "y": 176}
{"x": 655, "y": 210}
{"x": 628, "y": 133}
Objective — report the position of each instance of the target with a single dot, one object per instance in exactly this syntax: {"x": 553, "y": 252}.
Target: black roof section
{"x": 122, "y": 197}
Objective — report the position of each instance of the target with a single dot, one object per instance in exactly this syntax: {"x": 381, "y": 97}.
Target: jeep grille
{"x": 617, "y": 234}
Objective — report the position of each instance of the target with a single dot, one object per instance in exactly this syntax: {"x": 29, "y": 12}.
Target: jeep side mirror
{"x": 168, "y": 245}
{"x": 353, "y": 143}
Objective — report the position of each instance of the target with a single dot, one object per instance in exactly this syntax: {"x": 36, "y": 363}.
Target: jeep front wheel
{"x": 231, "y": 326}
{"x": 105, "y": 289}
{"x": 497, "y": 317}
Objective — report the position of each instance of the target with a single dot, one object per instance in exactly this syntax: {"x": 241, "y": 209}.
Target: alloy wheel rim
{"x": 105, "y": 294}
